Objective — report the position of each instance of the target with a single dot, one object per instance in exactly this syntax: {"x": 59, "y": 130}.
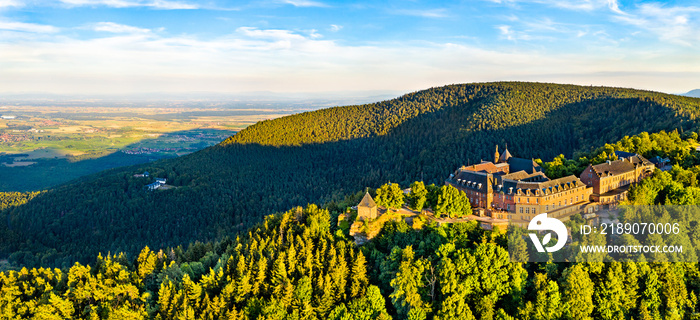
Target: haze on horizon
{"x": 287, "y": 46}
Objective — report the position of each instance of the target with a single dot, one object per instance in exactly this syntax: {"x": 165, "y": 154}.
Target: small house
{"x": 153, "y": 186}
{"x": 367, "y": 208}
{"x": 141, "y": 175}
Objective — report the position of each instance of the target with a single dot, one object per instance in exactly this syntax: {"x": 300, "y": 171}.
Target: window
{"x": 521, "y": 209}
{"x": 528, "y": 200}
{"x": 546, "y": 207}
{"x": 527, "y": 210}
{"x": 534, "y": 211}
{"x": 508, "y": 206}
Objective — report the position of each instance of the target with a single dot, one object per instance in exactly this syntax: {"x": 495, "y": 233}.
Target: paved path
{"x": 445, "y": 219}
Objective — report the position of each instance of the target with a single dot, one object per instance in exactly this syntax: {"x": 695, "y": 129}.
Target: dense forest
{"x": 322, "y": 156}
{"x": 12, "y": 199}
{"x": 297, "y": 265}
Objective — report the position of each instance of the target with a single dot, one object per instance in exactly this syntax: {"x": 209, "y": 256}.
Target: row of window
{"x": 546, "y": 207}
{"x": 527, "y": 210}
{"x": 537, "y": 200}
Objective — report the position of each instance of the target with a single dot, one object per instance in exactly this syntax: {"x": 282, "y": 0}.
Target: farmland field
{"x": 43, "y": 146}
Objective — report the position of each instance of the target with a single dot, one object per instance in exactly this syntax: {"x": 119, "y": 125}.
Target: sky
{"x": 123, "y": 47}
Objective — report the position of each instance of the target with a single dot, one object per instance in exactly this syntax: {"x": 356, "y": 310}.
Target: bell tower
{"x": 496, "y": 155}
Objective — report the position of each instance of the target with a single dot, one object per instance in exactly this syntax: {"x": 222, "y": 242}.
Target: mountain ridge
{"x": 321, "y": 156}
{"x": 693, "y": 93}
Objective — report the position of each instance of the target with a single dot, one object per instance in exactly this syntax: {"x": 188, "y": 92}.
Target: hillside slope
{"x": 693, "y": 93}
{"x": 322, "y": 155}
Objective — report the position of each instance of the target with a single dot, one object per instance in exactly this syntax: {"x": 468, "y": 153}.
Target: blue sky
{"x": 164, "y": 46}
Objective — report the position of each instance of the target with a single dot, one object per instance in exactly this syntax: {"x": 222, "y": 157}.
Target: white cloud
{"x": 305, "y": 3}
{"x": 614, "y": 6}
{"x": 335, "y": 28}
{"x": 277, "y": 39}
{"x": 118, "y": 28}
{"x": 677, "y": 25}
{"x": 253, "y": 59}
{"x": 586, "y": 5}
{"x": 551, "y": 30}
{"x": 510, "y": 34}
{"x": 506, "y": 31}
{"x": 155, "y": 4}
{"x": 313, "y": 33}
{"x": 502, "y": 1}
{"x": 272, "y": 34}
{"x": 10, "y": 3}
{"x": 576, "y": 5}
{"x": 171, "y": 5}
{"x": 426, "y": 13}
{"x": 27, "y": 27}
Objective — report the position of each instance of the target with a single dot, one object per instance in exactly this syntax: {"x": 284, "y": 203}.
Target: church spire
{"x": 505, "y": 156}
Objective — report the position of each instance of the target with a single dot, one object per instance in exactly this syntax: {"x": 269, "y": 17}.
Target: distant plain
{"x": 43, "y": 146}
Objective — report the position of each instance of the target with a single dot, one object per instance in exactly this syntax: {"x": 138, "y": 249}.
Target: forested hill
{"x": 489, "y": 106}
{"x": 321, "y": 156}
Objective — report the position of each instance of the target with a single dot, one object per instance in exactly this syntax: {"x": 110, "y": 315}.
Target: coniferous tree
{"x": 408, "y": 286}
{"x": 577, "y": 293}
{"x": 359, "y": 276}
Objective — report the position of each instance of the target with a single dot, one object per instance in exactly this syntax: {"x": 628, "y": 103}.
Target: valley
{"x": 43, "y": 146}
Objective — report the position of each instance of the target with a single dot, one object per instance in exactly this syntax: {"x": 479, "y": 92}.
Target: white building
{"x": 153, "y": 186}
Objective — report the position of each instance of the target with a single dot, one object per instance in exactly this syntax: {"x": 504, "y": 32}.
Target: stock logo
{"x": 542, "y": 223}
